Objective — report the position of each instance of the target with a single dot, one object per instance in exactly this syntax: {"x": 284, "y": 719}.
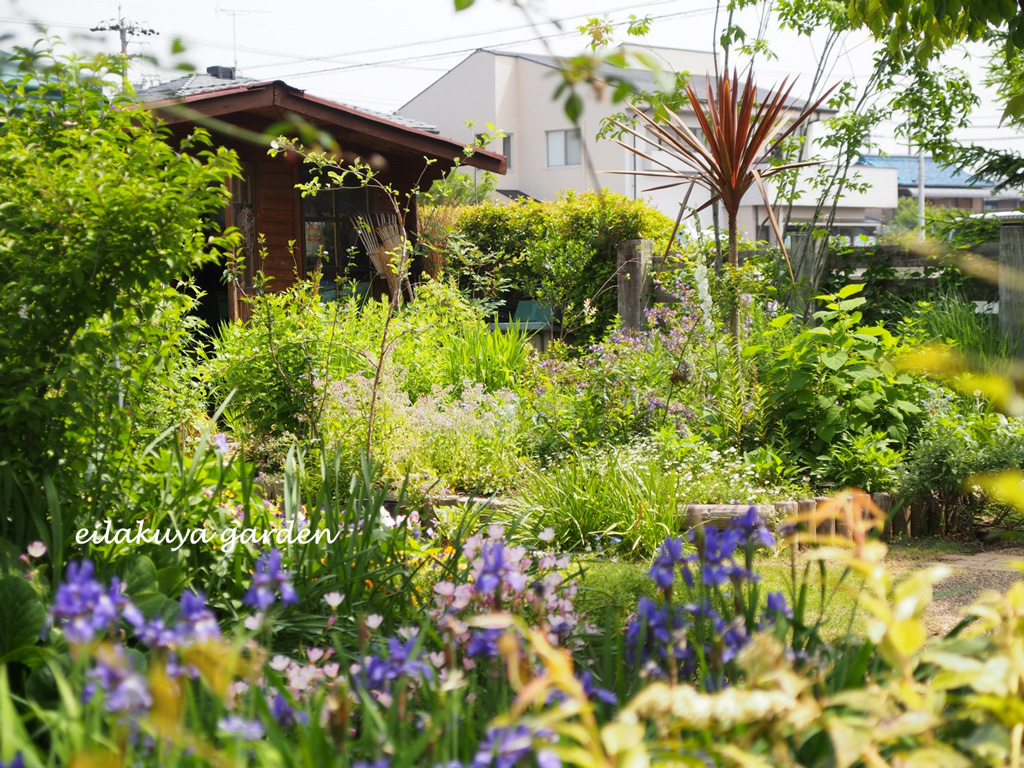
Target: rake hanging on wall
{"x": 383, "y": 236}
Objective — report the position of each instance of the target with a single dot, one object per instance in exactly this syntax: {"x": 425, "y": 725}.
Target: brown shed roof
{"x": 274, "y": 100}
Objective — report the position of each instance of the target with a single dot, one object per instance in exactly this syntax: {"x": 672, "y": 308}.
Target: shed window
{"x": 330, "y": 241}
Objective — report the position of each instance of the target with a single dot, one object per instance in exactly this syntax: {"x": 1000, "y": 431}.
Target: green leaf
{"x": 907, "y": 407}
{"x": 461, "y": 5}
{"x": 574, "y": 107}
{"x": 835, "y": 358}
{"x": 22, "y": 615}
{"x": 139, "y": 575}
{"x": 170, "y": 579}
{"x": 849, "y": 290}
{"x": 850, "y": 304}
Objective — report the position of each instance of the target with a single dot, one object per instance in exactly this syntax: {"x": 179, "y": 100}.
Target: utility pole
{"x": 125, "y": 29}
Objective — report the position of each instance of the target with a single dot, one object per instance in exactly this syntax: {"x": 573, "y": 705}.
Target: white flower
{"x": 334, "y": 599}
{"x": 374, "y": 620}
{"x": 254, "y": 622}
{"x": 36, "y": 549}
{"x": 546, "y": 535}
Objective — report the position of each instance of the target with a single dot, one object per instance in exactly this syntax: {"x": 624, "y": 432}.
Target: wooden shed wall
{"x": 278, "y": 219}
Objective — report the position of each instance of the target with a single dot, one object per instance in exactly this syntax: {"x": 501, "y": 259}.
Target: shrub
{"x": 273, "y": 363}
{"x": 833, "y": 382}
{"x": 956, "y": 443}
{"x": 101, "y": 212}
{"x": 564, "y": 252}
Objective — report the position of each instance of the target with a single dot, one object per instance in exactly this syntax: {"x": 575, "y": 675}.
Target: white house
{"x": 547, "y": 153}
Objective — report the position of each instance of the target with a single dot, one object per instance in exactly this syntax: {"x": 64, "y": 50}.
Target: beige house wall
{"x": 516, "y": 95}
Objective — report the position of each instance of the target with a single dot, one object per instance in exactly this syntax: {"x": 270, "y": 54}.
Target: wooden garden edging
{"x": 913, "y": 520}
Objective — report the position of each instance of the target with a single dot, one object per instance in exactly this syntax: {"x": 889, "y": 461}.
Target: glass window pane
{"x": 318, "y": 235}
{"x": 319, "y": 206}
{"x": 573, "y": 154}
{"x": 556, "y": 149}
{"x": 349, "y": 200}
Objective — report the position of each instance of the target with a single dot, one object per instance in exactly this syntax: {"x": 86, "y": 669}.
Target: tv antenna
{"x": 234, "y": 13}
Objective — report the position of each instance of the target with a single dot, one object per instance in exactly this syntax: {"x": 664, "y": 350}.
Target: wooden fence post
{"x": 634, "y": 281}
{"x": 1011, "y": 272}
{"x": 918, "y": 520}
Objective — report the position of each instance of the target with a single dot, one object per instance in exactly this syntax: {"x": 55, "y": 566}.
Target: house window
{"x": 502, "y": 145}
{"x": 330, "y": 241}
{"x": 564, "y": 148}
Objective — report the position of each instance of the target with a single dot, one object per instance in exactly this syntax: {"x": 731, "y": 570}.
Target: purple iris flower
{"x": 511, "y": 746}
{"x": 196, "y": 623}
{"x": 493, "y": 556}
{"x": 594, "y": 692}
{"x": 663, "y": 570}
{"x": 652, "y": 630}
{"x": 397, "y": 660}
{"x": 777, "y": 606}
{"x": 268, "y": 579}
{"x": 285, "y": 714}
{"x": 753, "y": 529}
{"x": 82, "y": 607}
{"x": 483, "y": 642}
{"x": 125, "y": 690}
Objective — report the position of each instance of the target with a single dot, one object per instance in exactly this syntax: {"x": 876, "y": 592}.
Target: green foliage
{"x": 962, "y": 229}
{"x": 493, "y": 358}
{"x": 100, "y": 213}
{"x": 834, "y": 381}
{"x": 951, "y": 318}
{"x": 905, "y": 222}
{"x": 305, "y": 370}
{"x": 868, "y": 462}
{"x": 272, "y": 363}
{"x": 617, "y": 500}
{"x": 957, "y": 442}
{"x": 564, "y": 252}
{"x": 475, "y": 442}
{"x": 98, "y": 208}
{"x": 482, "y": 276}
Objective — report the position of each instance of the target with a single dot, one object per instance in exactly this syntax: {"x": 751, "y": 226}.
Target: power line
{"x": 447, "y": 54}
{"x": 448, "y": 38}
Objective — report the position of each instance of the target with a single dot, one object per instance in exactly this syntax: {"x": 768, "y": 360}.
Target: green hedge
{"x": 564, "y": 251}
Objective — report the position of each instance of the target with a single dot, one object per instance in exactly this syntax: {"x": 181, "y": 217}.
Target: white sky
{"x": 381, "y": 53}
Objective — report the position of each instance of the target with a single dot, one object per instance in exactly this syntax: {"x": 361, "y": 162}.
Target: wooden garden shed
{"x": 297, "y": 232}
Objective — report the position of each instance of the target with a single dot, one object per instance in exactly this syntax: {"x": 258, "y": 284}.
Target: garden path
{"x": 972, "y": 574}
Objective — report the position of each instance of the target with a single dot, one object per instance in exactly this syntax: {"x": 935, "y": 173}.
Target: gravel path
{"x": 971, "y": 575}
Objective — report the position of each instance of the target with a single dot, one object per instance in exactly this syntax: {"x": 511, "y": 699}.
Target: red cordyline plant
{"x": 741, "y": 130}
